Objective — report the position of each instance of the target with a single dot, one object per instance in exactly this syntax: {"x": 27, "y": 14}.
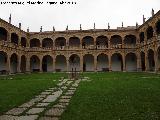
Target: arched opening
{"x": 23, "y": 64}
{"x": 141, "y": 36}
{"x": 74, "y": 63}
{"x": 61, "y": 63}
{"x": 35, "y": 42}
{"x": 35, "y": 63}
{"x": 23, "y": 41}
{"x": 102, "y": 42}
{"x": 130, "y": 40}
{"x": 47, "y": 43}
{"x": 3, "y": 62}
{"x": 102, "y": 62}
{"x": 131, "y": 62}
{"x": 158, "y": 51}
{"x": 143, "y": 61}
{"x": 14, "y": 63}
{"x": 149, "y": 32}
{"x": 14, "y": 38}
{"x": 74, "y": 42}
{"x": 116, "y": 41}
{"x": 87, "y": 41}
{"x": 158, "y": 27}
{"x": 151, "y": 62}
{"x": 3, "y": 34}
{"x": 88, "y": 62}
{"x": 117, "y": 62}
{"x": 60, "y": 42}
{"x": 47, "y": 63}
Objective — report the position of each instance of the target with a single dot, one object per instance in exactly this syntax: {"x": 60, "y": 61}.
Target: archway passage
{"x": 117, "y": 62}
{"x": 23, "y": 64}
{"x": 88, "y": 62}
{"x": 116, "y": 41}
{"x": 131, "y": 62}
{"x": 34, "y": 64}
{"x": 151, "y": 62}
{"x": 143, "y": 61}
{"x": 158, "y": 27}
{"x": 47, "y": 43}
{"x": 3, "y": 62}
{"x": 130, "y": 40}
{"x": 14, "y": 38}
{"x": 23, "y": 41}
{"x": 61, "y": 64}
{"x": 34, "y": 42}
{"x": 60, "y": 42}
{"x": 47, "y": 63}
{"x": 149, "y": 32}
{"x": 3, "y": 34}
{"x": 74, "y": 42}
{"x": 141, "y": 36}
{"x": 102, "y": 62}
{"x": 87, "y": 41}
{"x": 102, "y": 42}
{"x": 14, "y": 63}
{"x": 158, "y": 51}
{"x": 74, "y": 63}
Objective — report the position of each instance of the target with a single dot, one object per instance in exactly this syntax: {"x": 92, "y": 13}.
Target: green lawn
{"x": 17, "y": 89}
{"x": 116, "y": 96}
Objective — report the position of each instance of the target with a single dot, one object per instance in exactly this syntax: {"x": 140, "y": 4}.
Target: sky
{"x": 84, "y": 12}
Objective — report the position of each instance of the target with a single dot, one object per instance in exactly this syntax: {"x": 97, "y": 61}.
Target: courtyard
{"x": 99, "y": 96}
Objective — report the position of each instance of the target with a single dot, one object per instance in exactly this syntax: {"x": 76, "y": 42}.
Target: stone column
{"x": 40, "y": 65}
{"x": 28, "y": 69}
{"x": 139, "y": 68}
{"x": 54, "y": 64}
{"x": 81, "y": 63}
{"x": 67, "y": 61}
{"x": 124, "y": 62}
{"x": 8, "y": 64}
{"x": 146, "y": 62}
{"x": 95, "y": 63}
{"x": 19, "y": 64}
{"x": 110, "y": 62}
{"x": 8, "y": 37}
{"x": 156, "y": 60}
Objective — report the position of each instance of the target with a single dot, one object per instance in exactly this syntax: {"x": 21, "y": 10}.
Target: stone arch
{"x": 3, "y": 34}
{"x": 34, "y": 63}
{"x": 116, "y": 41}
{"x": 151, "y": 62}
{"x": 141, "y": 36}
{"x": 74, "y": 63}
{"x": 47, "y": 43}
{"x": 23, "y": 41}
{"x": 14, "y": 63}
{"x": 88, "y": 62}
{"x": 130, "y": 40}
{"x": 143, "y": 62}
{"x": 158, "y": 27}
{"x": 14, "y": 38}
{"x": 74, "y": 42}
{"x": 60, "y": 63}
{"x": 102, "y": 62}
{"x": 117, "y": 62}
{"x": 87, "y": 41}
{"x": 47, "y": 63}
{"x": 149, "y": 32}
{"x": 102, "y": 41}
{"x": 60, "y": 42}
{"x": 34, "y": 42}
{"x": 131, "y": 62}
{"x": 23, "y": 64}
{"x": 3, "y": 62}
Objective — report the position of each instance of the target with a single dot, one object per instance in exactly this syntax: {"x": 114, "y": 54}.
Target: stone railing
{"x": 130, "y": 46}
{"x": 101, "y": 47}
{"x": 118, "y": 46}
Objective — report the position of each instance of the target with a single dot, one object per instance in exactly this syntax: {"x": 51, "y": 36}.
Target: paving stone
{"x": 69, "y": 93}
{"x": 37, "y": 99}
{"x": 50, "y": 98}
{"x": 66, "y": 97}
{"x": 63, "y": 104}
{"x": 49, "y": 90}
{"x": 75, "y": 85}
{"x": 35, "y": 110}
{"x": 28, "y": 117}
{"x": 42, "y": 104}
{"x": 64, "y": 87}
{"x": 41, "y": 96}
{"x": 59, "y": 106}
{"x": 45, "y": 93}
{"x": 72, "y": 88}
{"x": 28, "y": 104}
{"x": 8, "y": 117}
{"x": 15, "y": 111}
{"x": 49, "y": 118}
{"x": 54, "y": 112}
{"x": 53, "y": 88}
{"x": 64, "y": 100}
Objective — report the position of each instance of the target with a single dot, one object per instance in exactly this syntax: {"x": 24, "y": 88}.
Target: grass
{"x": 116, "y": 96}
{"x": 17, "y": 89}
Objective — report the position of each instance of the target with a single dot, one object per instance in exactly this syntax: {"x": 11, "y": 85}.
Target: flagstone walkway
{"x": 49, "y": 105}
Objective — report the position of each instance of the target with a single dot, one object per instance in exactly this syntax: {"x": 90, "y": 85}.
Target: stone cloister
{"x": 133, "y": 48}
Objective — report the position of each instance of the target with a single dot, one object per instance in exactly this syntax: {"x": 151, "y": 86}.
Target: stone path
{"x": 49, "y": 105}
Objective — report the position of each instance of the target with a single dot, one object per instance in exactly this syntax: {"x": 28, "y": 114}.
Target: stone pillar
{"x": 156, "y": 60}
{"x": 124, "y": 62}
{"x": 95, "y": 63}
{"x": 110, "y": 62}
{"x": 19, "y": 64}
{"x": 40, "y": 65}
{"x": 8, "y": 37}
{"x": 28, "y": 69}
{"x": 8, "y": 64}
{"x": 81, "y": 63}
{"x": 139, "y": 66}
{"x": 67, "y": 61}
{"x": 146, "y": 62}
{"x": 54, "y": 64}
